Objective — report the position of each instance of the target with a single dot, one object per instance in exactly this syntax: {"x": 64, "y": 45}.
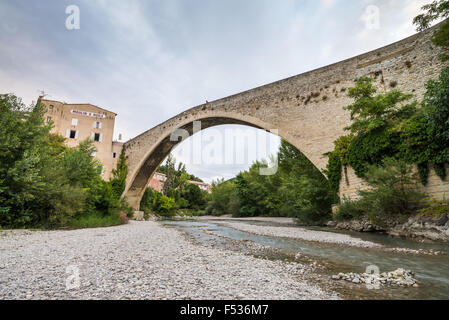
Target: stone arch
{"x": 160, "y": 147}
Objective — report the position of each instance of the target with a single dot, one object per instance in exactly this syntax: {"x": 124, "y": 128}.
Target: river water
{"x": 431, "y": 271}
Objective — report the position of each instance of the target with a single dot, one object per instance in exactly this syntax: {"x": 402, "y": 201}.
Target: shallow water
{"x": 431, "y": 271}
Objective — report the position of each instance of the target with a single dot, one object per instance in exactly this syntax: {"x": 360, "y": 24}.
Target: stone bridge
{"x": 307, "y": 109}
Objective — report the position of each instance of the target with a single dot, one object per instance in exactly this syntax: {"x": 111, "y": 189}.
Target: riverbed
{"x": 142, "y": 260}
{"x": 430, "y": 261}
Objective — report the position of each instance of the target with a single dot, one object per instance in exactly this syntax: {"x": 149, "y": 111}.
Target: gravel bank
{"x": 276, "y": 220}
{"x": 141, "y": 260}
{"x": 301, "y": 233}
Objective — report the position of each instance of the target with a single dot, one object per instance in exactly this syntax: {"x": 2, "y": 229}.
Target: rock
{"x": 442, "y": 220}
{"x": 138, "y": 216}
{"x": 399, "y": 277}
{"x": 332, "y": 224}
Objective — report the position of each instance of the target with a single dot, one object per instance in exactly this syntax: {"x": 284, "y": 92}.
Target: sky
{"x": 148, "y": 60}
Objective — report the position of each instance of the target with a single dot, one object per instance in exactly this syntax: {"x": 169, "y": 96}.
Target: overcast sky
{"x": 149, "y": 60}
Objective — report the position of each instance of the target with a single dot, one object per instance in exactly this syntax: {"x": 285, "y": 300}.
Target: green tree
{"x": 222, "y": 196}
{"x": 34, "y": 190}
{"x": 393, "y": 189}
{"x": 438, "y": 9}
{"x": 119, "y": 174}
{"x": 177, "y": 176}
{"x": 437, "y": 103}
{"x": 194, "y": 196}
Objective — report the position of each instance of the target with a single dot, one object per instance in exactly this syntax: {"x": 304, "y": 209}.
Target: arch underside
{"x": 163, "y": 149}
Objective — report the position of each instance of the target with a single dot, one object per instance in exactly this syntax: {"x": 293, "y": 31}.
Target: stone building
{"x": 157, "y": 183}
{"x": 77, "y": 122}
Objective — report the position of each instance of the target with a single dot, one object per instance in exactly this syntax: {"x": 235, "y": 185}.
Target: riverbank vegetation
{"x": 298, "y": 189}
{"x": 178, "y": 196}
{"x": 44, "y": 183}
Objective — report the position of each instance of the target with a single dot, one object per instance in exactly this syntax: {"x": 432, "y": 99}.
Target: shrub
{"x": 350, "y": 209}
{"x": 97, "y": 220}
{"x": 156, "y": 202}
{"x": 393, "y": 188}
{"x": 436, "y": 208}
{"x": 222, "y": 192}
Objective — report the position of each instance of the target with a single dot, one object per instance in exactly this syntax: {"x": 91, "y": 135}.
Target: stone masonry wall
{"x": 436, "y": 188}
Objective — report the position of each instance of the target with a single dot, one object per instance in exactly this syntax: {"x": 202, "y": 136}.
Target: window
{"x": 114, "y": 155}
{"x": 97, "y": 125}
{"x": 73, "y": 134}
{"x": 48, "y": 119}
{"x": 97, "y": 137}
{"x": 74, "y": 122}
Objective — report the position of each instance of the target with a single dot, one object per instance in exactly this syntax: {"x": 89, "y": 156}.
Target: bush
{"x": 436, "y": 208}
{"x": 35, "y": 190}
{"x": 97, "y": 220}
{"x": 350, "y": 209}
{"x": 155, "y": 202}
{"x": 392, "y": 191}
{"x": 193, "y": 196}
{"x": 393, "y": 188}
{"x": 222, "y": 192}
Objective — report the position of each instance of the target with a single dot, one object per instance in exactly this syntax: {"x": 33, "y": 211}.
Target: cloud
{"x": 150, "y": 60}
{"x": 327, "y": 4}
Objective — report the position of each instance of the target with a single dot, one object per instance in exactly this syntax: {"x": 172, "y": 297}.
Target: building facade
{"x": 157, "y": 183}
{"x": 77, "y": 122}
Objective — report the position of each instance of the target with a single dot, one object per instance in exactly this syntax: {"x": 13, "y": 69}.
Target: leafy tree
{"x": 146, "y": 204}
{"x": 193, "y": 195}
{"x": 119, "y": 174}
{"x": 393, "y": 188}
{"x": 437, "y": 102}
{"x": 223, "y": 195}
{"x": 371, "y": 112}
{"x": 176, "y": 176}
{"x": 438, "y": 9}
{"x": 34, "y": 190}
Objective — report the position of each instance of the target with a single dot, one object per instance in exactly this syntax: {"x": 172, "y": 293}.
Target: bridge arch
{"x": 161, "y": 145}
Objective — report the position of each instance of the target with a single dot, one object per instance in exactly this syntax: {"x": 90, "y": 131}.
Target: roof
{"x": 77, "y": 104}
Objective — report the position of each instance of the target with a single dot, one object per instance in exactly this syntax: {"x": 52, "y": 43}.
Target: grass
{"x": 96, "y": 220}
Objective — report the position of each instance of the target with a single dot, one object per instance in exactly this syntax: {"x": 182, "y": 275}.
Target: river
{"x": 432, "y": 271}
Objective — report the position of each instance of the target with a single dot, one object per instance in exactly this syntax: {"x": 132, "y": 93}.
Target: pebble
{"x": 303, "y": 234}
{"x": 399, "y": 277}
